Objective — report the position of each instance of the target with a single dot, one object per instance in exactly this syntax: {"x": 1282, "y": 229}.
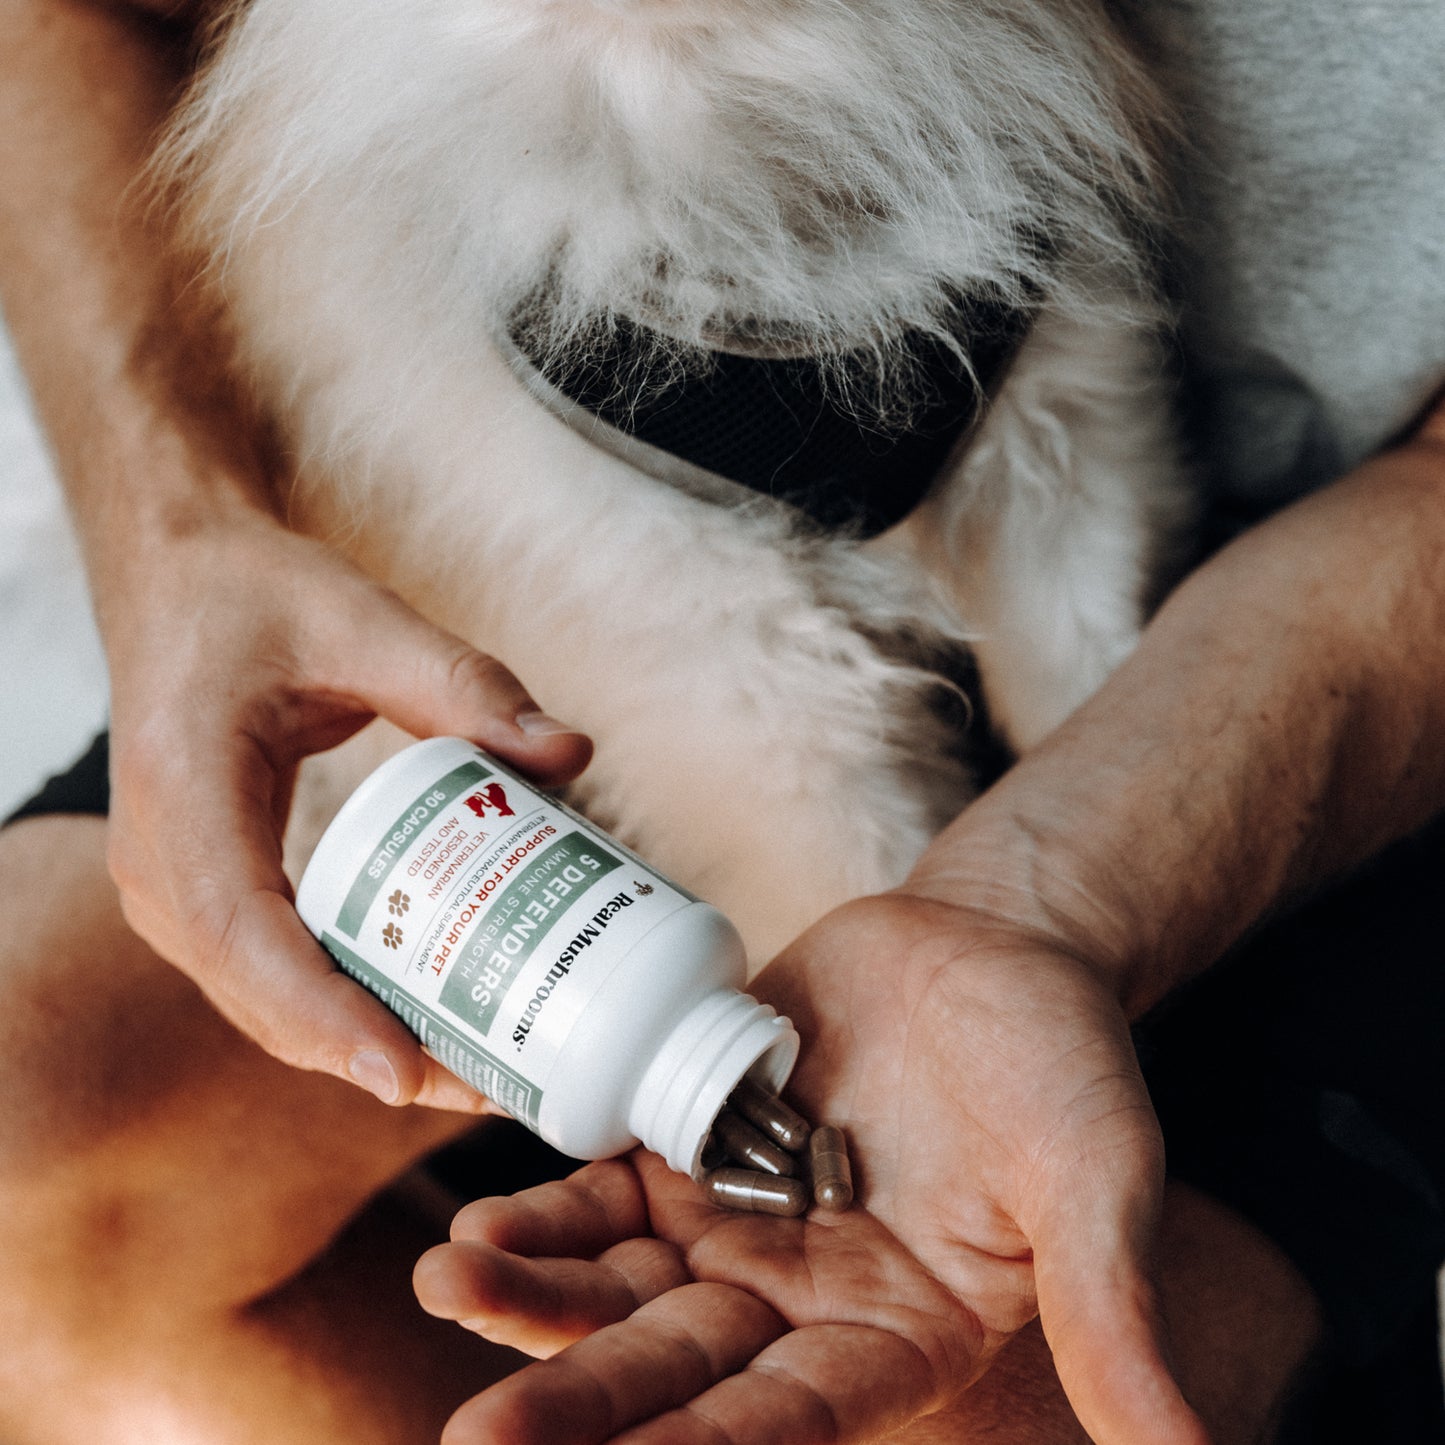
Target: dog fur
{"x": 377, "y": 187}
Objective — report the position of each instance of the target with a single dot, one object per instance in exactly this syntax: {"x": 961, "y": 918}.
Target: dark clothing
{"x": 84, "y": 787}
{"x": 1302, "y": 1081}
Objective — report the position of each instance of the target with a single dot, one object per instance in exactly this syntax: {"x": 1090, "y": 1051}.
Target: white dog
{"x": 421, "y": 216}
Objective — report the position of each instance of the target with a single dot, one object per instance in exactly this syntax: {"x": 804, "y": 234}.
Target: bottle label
{"x": 486, "y": 915}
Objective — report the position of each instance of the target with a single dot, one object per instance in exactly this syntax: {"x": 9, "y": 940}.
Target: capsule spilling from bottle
{"x": 763, "y": 1157}
{"x": 770, "y": 1115}
{"x": 739, "y": 1141}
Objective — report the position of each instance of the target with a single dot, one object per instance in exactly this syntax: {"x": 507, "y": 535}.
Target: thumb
{"x": 1099, "y": 1311}
{"x": 430, "y": 682}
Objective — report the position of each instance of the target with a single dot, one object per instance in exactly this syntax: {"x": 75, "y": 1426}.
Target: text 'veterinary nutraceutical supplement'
{"x": 538, "y": 959}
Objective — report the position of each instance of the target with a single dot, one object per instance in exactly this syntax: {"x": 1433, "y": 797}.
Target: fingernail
{"x": 373, "y": 1071}
{"x": 539, "y": 725}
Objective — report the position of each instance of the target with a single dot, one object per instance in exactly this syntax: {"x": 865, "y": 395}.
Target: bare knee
{"x": 159, "y": 1174}
{"x": 1242, "y": 1318}
{"x": 88, "y": 1009}
{"x": 150, "y": 1133}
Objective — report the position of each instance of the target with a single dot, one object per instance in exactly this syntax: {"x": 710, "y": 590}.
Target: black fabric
{"x": 499, "y": 1155}
{"x": 1303, "y": 1081}
{"x": 773, "y": 425}
{"x": 84, "y": 787}
{"x": 1396, "y": 1399}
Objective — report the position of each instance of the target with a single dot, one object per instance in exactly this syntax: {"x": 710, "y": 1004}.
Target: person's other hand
{"x": 1010, "y": 1165}
{"x": 240, "y": 650}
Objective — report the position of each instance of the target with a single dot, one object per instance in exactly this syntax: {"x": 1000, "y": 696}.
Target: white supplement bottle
{"x": 539, "y": 959}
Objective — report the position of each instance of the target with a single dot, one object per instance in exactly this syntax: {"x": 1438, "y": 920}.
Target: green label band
{"x": 518, "y": 919}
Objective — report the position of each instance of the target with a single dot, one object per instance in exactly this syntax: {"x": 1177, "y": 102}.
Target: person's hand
{"x": 238, "y": 650}
{"x": 1009, "y": 1162}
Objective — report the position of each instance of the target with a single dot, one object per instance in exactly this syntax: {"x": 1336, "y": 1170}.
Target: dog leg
{"x": 1048, "y": 533}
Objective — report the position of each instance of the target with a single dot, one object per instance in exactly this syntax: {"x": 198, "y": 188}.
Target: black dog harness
{"x": 771, "y": 424}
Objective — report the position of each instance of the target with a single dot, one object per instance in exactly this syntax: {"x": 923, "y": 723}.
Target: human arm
{"x": 1281, "y": 719}
{"x": 235, "y": 646}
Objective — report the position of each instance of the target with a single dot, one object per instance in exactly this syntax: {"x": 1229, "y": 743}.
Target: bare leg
{"x": 1242, "y": 1320}
{"x": 193, "y": 1237}
{"x": 198, "y": 1243}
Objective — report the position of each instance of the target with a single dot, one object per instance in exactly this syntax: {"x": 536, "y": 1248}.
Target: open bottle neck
{"x": 725, "y": 1035}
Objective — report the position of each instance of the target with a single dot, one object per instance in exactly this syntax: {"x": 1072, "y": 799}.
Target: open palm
{"x": 1010, "y": 1165}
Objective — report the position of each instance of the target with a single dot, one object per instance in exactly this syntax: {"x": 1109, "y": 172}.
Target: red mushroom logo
{"x": 491, "y": 799}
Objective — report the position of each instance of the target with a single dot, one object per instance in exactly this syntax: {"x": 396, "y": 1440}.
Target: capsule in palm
{"x": 753, "y": 1193}
{"x": 829, "y": 1169}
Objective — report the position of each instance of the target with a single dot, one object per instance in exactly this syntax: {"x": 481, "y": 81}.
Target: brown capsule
{"x": 768, "y": 1113}
{"x": 752, "y": 1193}
{"x": 745, "y": 1145}
{"x": 829, "y": 1169}
{"x": 713, "y": 1156}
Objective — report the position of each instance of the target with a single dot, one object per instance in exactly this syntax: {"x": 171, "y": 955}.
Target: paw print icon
{"x": 391, "y": 936}
{"x": 398, "y": 903}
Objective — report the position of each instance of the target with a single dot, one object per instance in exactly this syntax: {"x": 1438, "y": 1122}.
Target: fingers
{"x": 580, "y": 1216}
{"x": 709, "y": 1364}
{"x": 441, "y": 1089}
{"x": 271, "y": 979}
{"x": 431, "y": 683}
{"x": 202, "y": 882}
{"x": 201, "y": 788}
{"x": 669, "y": 1352}
{"x": 549, "y": 1265}
{"x": 542, "y": 1306}
{"x": 825, "y": 1385}
{"x": 800, "y": 1331}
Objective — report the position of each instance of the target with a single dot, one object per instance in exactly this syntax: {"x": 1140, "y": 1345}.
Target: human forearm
{"x": 1283, "y": 717}
{"x": 146, "y": 434}
{"x": 236, "y": 646}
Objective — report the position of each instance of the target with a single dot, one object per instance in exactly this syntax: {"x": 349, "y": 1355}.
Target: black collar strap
{"x": 769, "y": 423}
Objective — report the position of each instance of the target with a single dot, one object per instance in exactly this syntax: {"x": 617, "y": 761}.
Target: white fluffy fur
{"x": 378, "y": 185}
